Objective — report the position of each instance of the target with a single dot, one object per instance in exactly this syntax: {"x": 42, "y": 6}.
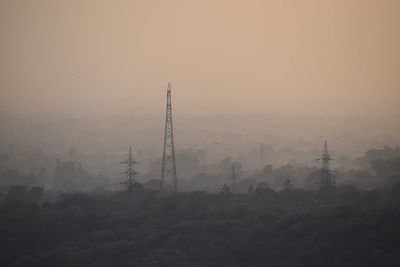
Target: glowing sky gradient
{"x": 300, "y": 56}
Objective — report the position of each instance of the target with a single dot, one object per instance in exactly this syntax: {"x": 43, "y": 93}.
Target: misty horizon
{"x": 199, "y": 133}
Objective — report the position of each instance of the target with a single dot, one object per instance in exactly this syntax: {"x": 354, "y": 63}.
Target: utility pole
{"x": 168, "y": 170}
{"x": 326, "y": 180}
{"x": 130, "y": 171}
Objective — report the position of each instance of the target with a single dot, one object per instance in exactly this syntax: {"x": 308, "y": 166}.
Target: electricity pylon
{"x": 168, "y": 171}
{"x": 130, "y": 170}
{"x": 326, "y": 179}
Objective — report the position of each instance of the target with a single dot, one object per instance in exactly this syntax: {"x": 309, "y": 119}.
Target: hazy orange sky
{"x": 300, "y": 56}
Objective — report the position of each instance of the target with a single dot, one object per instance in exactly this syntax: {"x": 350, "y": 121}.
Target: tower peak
{"x": 325, "y": 148}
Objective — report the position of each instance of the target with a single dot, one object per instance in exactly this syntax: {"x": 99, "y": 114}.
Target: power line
{"x": 259, "y": 122}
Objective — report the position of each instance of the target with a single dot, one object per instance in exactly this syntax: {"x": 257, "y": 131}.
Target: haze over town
{"x": 284, "y": 148}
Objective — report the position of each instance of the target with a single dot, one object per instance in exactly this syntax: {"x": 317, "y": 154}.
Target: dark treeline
{"x": 276, "y": 216}
{"x": 345, "y": 227}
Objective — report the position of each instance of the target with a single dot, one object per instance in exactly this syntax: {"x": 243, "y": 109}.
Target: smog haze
{"x": 85, "y": 58}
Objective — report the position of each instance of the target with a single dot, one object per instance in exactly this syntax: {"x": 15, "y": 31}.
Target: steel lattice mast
{"x": 326, "y": 180}
{"x": 168, "y": 171}
{"x": 130, "y": 171}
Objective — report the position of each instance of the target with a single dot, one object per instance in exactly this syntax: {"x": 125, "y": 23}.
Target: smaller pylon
{"x": 326, "y": 179}
{"x": 130, "y": 170}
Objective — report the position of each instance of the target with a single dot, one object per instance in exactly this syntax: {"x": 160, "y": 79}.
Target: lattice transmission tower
{"x": 326, "y": 180}
{"x": 130, "y": 170}
{"x": 169, "y": 181}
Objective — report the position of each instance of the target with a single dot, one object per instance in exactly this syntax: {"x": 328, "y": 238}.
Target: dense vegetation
{"x": 345, "y": 227}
